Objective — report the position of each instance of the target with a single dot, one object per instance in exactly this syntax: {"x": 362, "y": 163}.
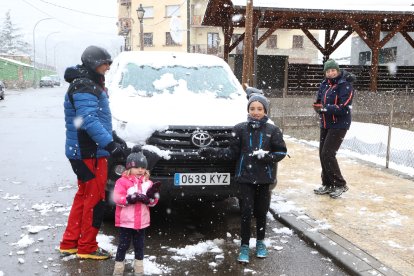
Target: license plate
{"x": 192, "y": 179}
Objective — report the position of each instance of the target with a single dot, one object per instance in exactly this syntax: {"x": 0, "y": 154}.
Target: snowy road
{"x": 37, "y": 187}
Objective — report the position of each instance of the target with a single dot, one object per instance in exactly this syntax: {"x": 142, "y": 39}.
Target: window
{"x": 212, "y": 43}
{"x": 297, "y": 41}
{"x": 271, "y": 42}
{"x": 387, "y": 55}
{"x": 172, "y": 10}
{"x": 364, "y": 58}
{"x": 148, "y": 39}
{"x": 149, "y": 12}
{"x": 169, "y": 41}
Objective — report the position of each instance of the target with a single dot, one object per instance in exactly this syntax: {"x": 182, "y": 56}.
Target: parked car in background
{"x": 2, "y": 88}
{"x": 46, "y": 81}
{"x": 55, "y": 79}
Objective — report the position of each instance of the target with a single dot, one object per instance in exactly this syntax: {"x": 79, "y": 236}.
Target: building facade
{"x": 175, "y": 25}
{"x": 397, "y": 51}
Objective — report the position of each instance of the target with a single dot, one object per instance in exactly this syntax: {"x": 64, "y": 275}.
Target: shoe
{"x": 138, "y": 267}
{"x": 261, "y": 251}
{"x": 244, "y": 254}
{"x": 119, "y": 269}
{"x": 337, "y": 191}
{"x": 323, "y": 190}
{"x": 99, "y": 254}
{"x": 67, "y": 252}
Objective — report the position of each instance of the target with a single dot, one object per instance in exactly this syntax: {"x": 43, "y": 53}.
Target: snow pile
{"x": 190, "y": 251}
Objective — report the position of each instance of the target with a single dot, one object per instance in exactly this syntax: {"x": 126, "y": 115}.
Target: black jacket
{"x": 248, "y": 138}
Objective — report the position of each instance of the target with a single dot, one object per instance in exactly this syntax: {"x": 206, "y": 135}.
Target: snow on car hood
{"x": 136, "y": 117}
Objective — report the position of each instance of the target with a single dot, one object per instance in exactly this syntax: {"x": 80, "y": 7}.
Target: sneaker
{"x": 323, "y": 190}
{"x": 337, "y": 191}
{"x": 244, "y": 254}
{"x": 99, "y": 254}
{"x": 67, "y": 252}
{"x": 261, "y": 251}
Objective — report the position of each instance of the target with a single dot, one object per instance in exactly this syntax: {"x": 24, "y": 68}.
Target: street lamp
{"x": 140, "y": 13}
{"x": 46, "y": 45}
{"x": 34, "y": 49}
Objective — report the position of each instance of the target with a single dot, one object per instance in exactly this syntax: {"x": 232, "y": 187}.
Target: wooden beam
{"x": 271, "y": 30}
{"x": 362, "y": 34}
{"x": 407, "y": 37}
{"x": 331, "y": 41}
{"x": 248, "y": 45}
{"x": 314, "y": 40}
{"x": 376, "y": 35}
{"x": 235, "y": 43}
{"x": 396, "y": 30}
{"x": 344, "y": 37}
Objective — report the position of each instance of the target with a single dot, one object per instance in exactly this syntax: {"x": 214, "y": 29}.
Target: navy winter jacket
{"x": 247, "y": 138}
{"x": 87, "y": 115}
{"x": 336, "y": 96}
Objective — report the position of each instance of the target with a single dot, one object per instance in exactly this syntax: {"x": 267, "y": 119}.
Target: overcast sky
{"x": 75, "y": 25}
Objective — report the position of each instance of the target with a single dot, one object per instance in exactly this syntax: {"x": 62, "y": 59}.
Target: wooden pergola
{"x": 367, "y": 24}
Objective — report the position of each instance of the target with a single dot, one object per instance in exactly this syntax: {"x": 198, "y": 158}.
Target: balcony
{"x": 124, "y": 26}
{"x": 207, "y": 49}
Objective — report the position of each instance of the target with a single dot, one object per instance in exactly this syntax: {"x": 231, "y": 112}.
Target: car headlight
{"x": 119, "y": 169}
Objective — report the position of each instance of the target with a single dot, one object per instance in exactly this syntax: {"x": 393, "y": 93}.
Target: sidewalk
{"x": 374, "y": 218}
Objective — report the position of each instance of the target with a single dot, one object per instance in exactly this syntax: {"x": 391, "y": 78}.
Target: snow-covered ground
{"x": 369, "y": 142}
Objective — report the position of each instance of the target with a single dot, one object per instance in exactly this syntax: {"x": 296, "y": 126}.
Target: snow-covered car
{"x": 55, "y": 79}
{"x": 2, "y": 89}
{"x": 46, "y": 81}
{"x": 173, "y": 104}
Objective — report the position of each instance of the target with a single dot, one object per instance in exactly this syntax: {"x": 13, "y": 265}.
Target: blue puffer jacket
{"x": 336, "y": 96}
{"x": 87, "y": 115}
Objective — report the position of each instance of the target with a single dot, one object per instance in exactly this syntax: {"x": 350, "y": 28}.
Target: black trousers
{"x": 125, "y": 237}
{"x": 254, "y": 200}
{"x": 330, "y": 141}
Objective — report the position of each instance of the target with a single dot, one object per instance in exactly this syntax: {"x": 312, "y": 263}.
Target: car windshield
{"x": 148, "y": 80}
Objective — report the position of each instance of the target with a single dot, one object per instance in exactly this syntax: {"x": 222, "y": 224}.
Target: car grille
{"x": 183, "y": 152}
{"x": 177, "y": 139}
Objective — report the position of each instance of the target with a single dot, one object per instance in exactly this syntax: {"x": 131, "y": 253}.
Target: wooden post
{"x": 248, "y": 49}
{"x": 375, "y": 56}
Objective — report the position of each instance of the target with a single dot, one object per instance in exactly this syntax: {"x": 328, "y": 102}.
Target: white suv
{"x": 173, "y": 104}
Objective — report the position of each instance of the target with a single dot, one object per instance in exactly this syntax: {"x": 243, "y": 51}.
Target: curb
{"x": 346, "y": 255}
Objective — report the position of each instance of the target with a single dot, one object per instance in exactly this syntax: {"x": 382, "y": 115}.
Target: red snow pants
{"x": 79, "y": 231}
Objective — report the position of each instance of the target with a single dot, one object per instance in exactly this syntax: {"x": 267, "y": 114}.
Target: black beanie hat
{"x": 136, "y": 159}
{"x": 94, "y": 56}
{"x": 256, "y": 95}
{"x": 330, "y": 64}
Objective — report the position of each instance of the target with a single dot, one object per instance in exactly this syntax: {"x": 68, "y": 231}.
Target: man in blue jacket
{"x": 89, "y": 141}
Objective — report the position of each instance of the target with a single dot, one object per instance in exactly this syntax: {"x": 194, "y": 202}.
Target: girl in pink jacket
{"x": 134, "y": 193}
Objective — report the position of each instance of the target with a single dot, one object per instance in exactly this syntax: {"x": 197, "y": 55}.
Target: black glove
{"x": 119, "y": 140}
{"x": 143, "y": 198}
{"x": 155, "y": 188}
{"x": 132, "y": 198}
{"x": 266, "y": 158}
{"x": 207, "y": 152}
{"x": 115, "y": 149}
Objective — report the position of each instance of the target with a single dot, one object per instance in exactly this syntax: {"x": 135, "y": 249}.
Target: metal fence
{"x": 391, "y": 139}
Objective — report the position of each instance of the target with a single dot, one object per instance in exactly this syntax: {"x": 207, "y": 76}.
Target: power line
{"x": 78, "y": 11}
{"x": 63, "y": 22}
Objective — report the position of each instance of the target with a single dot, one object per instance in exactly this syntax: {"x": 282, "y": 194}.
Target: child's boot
{"x": 119, "y": 269}
{"x": 138, "y": 267}
{"x": 261, "y": 251}
{"x": 244, "y": 254}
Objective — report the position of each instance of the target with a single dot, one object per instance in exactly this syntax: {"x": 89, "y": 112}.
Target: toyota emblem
{"x": 201, "y": 139}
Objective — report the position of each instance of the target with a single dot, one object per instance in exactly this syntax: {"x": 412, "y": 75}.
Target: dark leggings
{"x": 255, "y": 199}
{"x": 330, "y": 141}
{"x": 125, "y": 237}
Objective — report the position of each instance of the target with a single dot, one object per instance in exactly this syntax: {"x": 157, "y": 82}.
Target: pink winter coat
{"x": 135, "y": 216}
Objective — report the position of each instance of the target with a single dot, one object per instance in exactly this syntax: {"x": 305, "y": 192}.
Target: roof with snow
{"x": 318, "y": 15}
